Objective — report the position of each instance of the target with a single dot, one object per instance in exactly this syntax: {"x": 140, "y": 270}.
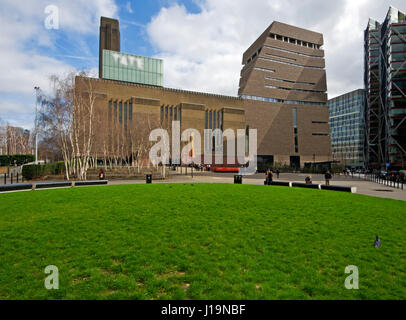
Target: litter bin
{"x": 238, "y": 179}
{"x": 149, "y": 178}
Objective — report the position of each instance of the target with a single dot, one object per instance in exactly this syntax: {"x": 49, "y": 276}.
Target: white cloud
{"x": 22, "y": 35}
{"x": 203, "y": 51}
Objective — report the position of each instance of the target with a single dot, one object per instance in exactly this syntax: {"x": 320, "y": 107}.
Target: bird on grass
{"x": 377, "y": 243}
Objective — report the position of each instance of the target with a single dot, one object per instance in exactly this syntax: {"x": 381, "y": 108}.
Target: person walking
{"x": 328, "y": 177}
{"x": 277, "y": 173}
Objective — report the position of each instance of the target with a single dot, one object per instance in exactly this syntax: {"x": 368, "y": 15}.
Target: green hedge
{"x": 19, "y": 159}
{"x": 35, "y": 171}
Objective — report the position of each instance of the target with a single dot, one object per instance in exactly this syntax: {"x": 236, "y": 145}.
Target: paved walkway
{"x": 363, "y": 187}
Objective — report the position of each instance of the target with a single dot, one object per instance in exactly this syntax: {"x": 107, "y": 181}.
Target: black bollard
{"x": 11, "y": 181}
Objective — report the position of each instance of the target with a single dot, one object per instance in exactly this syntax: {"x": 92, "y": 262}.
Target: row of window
{"x": 294, "y": 41}
{"x": 291, "y": 51}
{"x": 345, "y": 116}
{"x": 264, "y": 69}
{"x": 291, "y": 64}
{"x": 357, "y": 144}
{"x": 291, "y": 89}
{"x": 320, "y": 134}
{"x": 170, "y": 113}
{"x": 254, "y": 55}
{"x": 266, "y": 99}
{"x": 353, "y": 105}
{"x": 213, "y": 119}
{"x": 120, "y": 111}
{"x": 348, "y": 155}
{"x": 348, "y": 134}
{"x": 280, "y": 56}
{"x": 289, "y": 81}
{"x": 346, "y": 111}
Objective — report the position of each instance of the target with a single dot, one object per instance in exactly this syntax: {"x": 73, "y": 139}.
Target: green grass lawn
{"x": 202, "y": 241}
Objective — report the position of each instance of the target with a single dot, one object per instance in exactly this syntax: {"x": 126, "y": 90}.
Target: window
{"x": 295, "y": 131}
{"x": 264, "y": 69}
{"x": 289, "y": 81}
{"x": 110, "y": 111}
{"x": 115, "y": 110}
{"x": 292, "y": 64}
{"x": 162, "y": 113}
{"x": 210, "y": 119}
{"x": 125, "y": 114}
{"x": 221, "y": 120}
{"x": 120, "y": 112}
{"x": 247, "y": 139}
{"x": 280, "y": 56}
{"x": 206, "y": 119}
{"x": 312, "y": 103}
{"x": 130, "y": 111}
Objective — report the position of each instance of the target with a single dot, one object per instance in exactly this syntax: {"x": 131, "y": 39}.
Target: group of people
{"x": 269, "y": 177}
{"x": 327, "y": 176}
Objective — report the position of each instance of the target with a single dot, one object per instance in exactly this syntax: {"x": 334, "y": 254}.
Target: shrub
{"x": 35, "y": 171}
{"x": 19, "y": 159}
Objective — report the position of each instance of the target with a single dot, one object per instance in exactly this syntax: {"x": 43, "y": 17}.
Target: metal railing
{"x": 11, "y": 178}
{"x": 396, "y": 182}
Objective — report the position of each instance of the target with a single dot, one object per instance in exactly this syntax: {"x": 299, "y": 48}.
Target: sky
{"x": 201, "y": 41}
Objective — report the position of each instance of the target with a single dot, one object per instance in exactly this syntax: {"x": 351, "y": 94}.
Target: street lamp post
{"x": 36, "y": 124}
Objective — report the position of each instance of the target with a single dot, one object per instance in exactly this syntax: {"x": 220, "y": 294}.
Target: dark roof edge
{"x": 166, "y": 89}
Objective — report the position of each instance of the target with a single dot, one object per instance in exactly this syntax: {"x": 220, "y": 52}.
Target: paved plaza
{"x": 363, "y": 187}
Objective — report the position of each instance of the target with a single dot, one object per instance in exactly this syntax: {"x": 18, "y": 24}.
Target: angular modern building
{"x": 283, "y": 83}
{"x": 385, "y": 85}
{"x": 347, "y": 128}
{"x": 282, "y": 94}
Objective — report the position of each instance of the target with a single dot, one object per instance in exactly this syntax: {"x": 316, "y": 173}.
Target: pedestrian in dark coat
{"x": 328, "y": 177}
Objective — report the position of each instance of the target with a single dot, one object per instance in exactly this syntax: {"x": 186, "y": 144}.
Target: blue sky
{"x": 134, "y": 17}
{"x": 201, "y": 41}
